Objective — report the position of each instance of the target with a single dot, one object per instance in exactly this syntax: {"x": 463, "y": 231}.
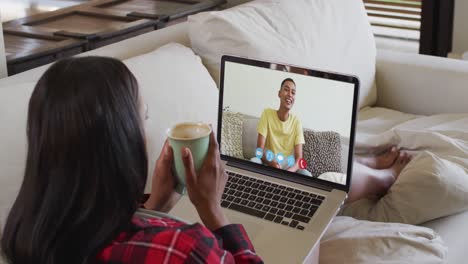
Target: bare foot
{"x": 382, "y": 161}
{"x": 400, "y": 163}
{"x": 387, "y": 177}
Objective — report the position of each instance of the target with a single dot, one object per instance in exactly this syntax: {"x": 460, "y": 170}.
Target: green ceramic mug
{"x": 196, "y": 137}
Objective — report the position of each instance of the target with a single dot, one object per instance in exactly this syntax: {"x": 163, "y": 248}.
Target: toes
{"x": 405, "y": 157}
{"x": 394, "y": 152}
{"x": 402, "y": 158}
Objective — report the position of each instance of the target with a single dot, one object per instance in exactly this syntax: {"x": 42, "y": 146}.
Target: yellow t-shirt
{"x": 281, "y": 137}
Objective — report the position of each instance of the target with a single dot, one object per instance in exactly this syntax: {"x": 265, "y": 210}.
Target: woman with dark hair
{"x": 85, "y": 173}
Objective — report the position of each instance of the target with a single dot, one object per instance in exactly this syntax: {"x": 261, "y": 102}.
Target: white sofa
{"x": 409, "y": 83}
{"x": 3, "y": 66}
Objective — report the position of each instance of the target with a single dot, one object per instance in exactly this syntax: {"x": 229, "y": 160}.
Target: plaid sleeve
{"x": 232, "y": 247}
{"x": 161, "y": 240}
{"x": 234, "y": 239}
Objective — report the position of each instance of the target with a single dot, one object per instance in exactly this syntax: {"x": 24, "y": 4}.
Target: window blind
{"x": 395, "y": 18}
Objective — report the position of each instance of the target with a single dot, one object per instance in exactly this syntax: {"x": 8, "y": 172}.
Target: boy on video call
{"x": 280, "y": 135}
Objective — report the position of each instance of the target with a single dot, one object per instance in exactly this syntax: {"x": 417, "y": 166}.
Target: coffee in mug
{"x": 196, "y": 137}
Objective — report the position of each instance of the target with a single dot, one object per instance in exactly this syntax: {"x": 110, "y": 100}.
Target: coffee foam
{"x": 189, "y": 131}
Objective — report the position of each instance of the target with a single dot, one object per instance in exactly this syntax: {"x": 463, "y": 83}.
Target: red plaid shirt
{"x": 164, "y": 240}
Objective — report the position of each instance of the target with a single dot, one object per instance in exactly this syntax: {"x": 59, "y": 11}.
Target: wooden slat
{"x": 402, "y": 15}
{"x": 407, "y": 3}
{"x": 395, "y": 17}
{"x": 398, "y": 2}
{"x": 394, "y": 26}
{"x": 393, "y": 10}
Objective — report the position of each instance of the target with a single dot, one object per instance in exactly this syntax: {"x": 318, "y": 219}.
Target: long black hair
{"x": 86, "y": 165}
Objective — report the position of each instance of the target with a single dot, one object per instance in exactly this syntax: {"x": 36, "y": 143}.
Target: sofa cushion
{"x": 177, "y": 88}
{"x": 332, "y": 35}
{"x": 371, "y": 242}
{"x": 322, "y": 151}
{"x": 14, "y": 100}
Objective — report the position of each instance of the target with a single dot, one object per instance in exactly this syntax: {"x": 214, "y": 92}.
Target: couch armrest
{"x": 420, "y": 84}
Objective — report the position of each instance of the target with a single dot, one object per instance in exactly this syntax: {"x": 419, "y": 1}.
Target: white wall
{"x": 322, "y": 105}
{"x": 460, "y": 29}
{"x": 3, "y": 68}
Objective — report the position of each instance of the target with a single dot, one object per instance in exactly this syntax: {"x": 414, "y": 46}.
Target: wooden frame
{"x": 115, "y": 24}
{"x": 185, "y": 8}
{"x": 45, "y": 37}
{"x": 37, "y": 55}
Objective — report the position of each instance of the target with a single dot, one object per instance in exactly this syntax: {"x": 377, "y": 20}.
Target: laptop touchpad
{"x": 252, "y": 227}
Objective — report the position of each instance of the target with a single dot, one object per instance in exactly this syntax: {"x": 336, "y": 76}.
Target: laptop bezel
{"x": 279, "y": 173}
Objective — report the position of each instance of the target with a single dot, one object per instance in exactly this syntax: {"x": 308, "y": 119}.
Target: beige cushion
{"x": 332, "y": 35}
{"x": 14, "y": 102}
{"x": 350, "y": 241}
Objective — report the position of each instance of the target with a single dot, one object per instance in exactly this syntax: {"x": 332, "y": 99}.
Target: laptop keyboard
{"x": 277, "y": 203}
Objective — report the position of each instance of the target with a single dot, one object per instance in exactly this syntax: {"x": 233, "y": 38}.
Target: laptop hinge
{"x": 279, "y": 175}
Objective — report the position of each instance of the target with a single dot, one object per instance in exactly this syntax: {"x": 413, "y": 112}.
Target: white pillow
{"x": 429, "y": 187}
{"x": 177, "y": 88}
{"x": 331, "y": 35}
{"x": 348, "y": 240}
{"x": 14, "y": 100}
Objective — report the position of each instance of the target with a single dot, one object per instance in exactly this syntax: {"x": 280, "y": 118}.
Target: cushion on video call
{"x": 360, "y": 241}
{"x": 322, "y": 151}
{"x": 231, "y": 134}
{"x": 330, "y": 35}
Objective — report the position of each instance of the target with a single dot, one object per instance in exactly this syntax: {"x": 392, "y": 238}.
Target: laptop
{"x": 282, "y": 190}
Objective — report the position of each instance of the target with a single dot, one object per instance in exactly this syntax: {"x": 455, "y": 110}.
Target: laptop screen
{"x": 289, "y": 119}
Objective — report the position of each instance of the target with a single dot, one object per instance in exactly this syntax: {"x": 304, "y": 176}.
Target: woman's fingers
{"x": 190, "y": 174}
